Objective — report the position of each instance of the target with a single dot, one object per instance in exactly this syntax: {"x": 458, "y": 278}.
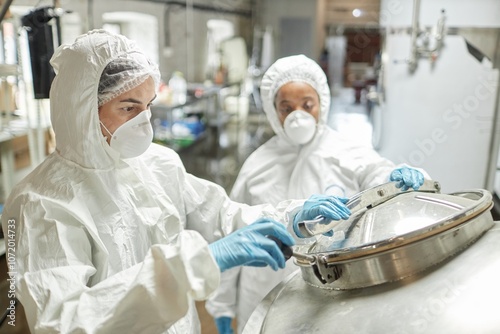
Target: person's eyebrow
{"x": 308, "y": 97}
{"x": 136, "y": 101}
{"x": 131, "y": 100}
{"x": 304, "y": 98}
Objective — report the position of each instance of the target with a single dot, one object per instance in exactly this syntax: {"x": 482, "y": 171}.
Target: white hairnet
{"x": 125, "y": 73}
{"x": 293, "y": 68}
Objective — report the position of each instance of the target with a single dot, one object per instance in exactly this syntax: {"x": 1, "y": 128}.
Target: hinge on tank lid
{"x": 318, "y": 275}
{"x": 325, "y": 273}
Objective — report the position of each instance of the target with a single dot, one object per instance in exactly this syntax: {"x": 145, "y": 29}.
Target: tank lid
{"x": 392, "y": 224}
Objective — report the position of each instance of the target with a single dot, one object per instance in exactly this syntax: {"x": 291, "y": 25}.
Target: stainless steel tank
{"x": 404, "y": 262}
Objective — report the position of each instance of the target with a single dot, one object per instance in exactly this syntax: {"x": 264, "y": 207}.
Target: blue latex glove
{"x": 249, "y": 246}
{"x": 224, "y": 325}
{"x": 330, "y": 207}
{"x": 407, "y": 178}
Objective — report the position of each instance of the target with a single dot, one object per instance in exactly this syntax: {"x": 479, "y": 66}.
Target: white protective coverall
{"x": 105, "y": 245}
{"x": 328, "y": 164}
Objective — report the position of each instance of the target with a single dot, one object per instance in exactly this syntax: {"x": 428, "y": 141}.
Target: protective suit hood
{"x": 74, "y": 99}
{"x": 294, "y": 68}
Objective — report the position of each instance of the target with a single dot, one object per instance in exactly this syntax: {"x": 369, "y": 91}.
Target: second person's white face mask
{"x": 133, "y": 137}
{"x": 300, "y": 127}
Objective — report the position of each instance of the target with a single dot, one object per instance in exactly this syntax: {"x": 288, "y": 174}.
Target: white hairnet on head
{"x": 288, "y": 69}
{"x": 125, "y": 73}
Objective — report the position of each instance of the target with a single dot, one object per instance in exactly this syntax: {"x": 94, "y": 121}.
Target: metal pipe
{"x": 58, "y": 22}
{"x": 90, "y": 14}
{"x": 495, "y": 137}
{"x": 415, "y": 30}
{"x": 189, "y": 38}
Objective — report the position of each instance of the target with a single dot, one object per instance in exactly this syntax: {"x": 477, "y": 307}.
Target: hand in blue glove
{"x": 329, "y": 207}
{"x": 249, "y": 246}
{"x": 224, "y": 325}
{"x": 407, "y": 178}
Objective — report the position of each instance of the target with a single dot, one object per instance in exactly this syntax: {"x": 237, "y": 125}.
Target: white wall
{"x": 274, "y": 11}
{"x": 459, "y": 13}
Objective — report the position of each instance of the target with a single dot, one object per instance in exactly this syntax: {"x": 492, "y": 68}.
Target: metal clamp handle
{"x": 365, "y": 199}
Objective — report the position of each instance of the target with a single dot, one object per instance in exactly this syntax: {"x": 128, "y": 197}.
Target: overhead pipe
{"x": 90, "y": 14}
{"x": 415, "y": 30}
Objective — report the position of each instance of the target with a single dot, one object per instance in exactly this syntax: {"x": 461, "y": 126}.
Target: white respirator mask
{"x": 133, "y": 137}
{"x": 300, "y": 127}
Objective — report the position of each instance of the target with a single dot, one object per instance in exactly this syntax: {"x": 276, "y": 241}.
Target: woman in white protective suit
{"x": 304, "y": 157}
{"x": 111, "y": 234}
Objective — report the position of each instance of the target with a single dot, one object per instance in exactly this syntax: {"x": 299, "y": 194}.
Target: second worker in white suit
{"x": 304, "y": 157}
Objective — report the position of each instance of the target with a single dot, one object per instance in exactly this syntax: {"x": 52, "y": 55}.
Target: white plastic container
{"x": 178, "y": 88}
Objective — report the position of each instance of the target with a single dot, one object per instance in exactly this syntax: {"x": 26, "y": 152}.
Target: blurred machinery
{"x": 41, "y": 45}
{"x": 438, "y": 91}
